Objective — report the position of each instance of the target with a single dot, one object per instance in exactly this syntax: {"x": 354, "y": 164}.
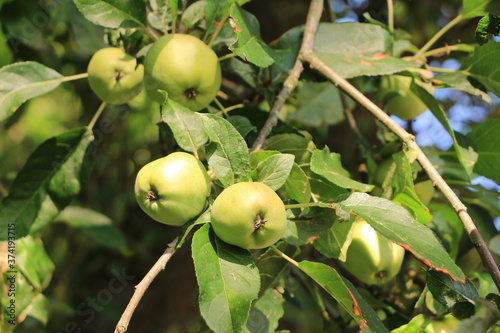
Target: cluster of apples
{"x": 175, "y": 189}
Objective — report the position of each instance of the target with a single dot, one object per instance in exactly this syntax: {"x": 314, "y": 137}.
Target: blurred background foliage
{"x": 54, "y": 33}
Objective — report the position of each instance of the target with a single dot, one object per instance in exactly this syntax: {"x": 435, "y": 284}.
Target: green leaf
{"x": 482, "y": 66}
{"x": 217, "y": 11}
{"x": 464, "y": 152}
{"x": 460, "y": 81}
{"x": 228, "y": 280}
{"x": 266, "y": 312}
{"x": 320, "y": 104}
{"x": 417, "y": 324}
{"x": 395, "y": 223}
{"x": 38, "y": 309}
{"x": 185, "y": 125}
{"x": 328, "y": 165}
{"x": 474, "y": 8}
{"x": 22, "y": 81}
{"x": 227, "y": 152}
{"x": 242, "y": 125}
{"x": 486, "y": 138}
{"x": 297, "y": 185}
{"x": 307, "y": 225}
{"x": 52, "y": 175}
{"x": 249, "y": 46}
{"x": 354, "y": 49}
{"x": 344, "y": 293}
{"x": 274, "y": 170}
{"x": 447, "y": 291}
{"x": 114, "y": 14}
{"x": 98, "y": 226}
{"x": 488, "y": 25}
{"x": 271, "y": 265}
{"x": 33, "y": 262}
{"x": 294, "y": 144}
{"x": 188, "y": 229}
{"x": 333, "y": 243}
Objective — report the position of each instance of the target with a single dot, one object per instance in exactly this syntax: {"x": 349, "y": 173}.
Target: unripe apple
{"x": 400, "y": 100}
{"x": 425, "y": 191}
{"x": 371, "y": 257}
{"x": 249, "y": 215}
{"x": 185, "y": 67}
{"x": 173, "y": 189}
{"x": 114, "y": 76}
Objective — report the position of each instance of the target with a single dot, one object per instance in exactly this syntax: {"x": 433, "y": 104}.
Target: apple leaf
{"x": 487, "y": 143}
{"x": 328, "y": 165}
{"x": 227, "y": 152}
{"x": 320, "y": 104}
{"x": 217, "y": 11}
{"x": 248, "y": 45}
{"x": 305, "y": 226}
{"x": 474, "y": 8}
{"x": 22, "y": 81}
{"x": 271, "y": 265}
{"x": 297, "y": 185}
{"x": 185, "y": 125}
{"x": 228, "y": 280}
{"x": 344, "y": 293}
{"x": 396, "y": 223}
{"x": 333, "y": 243}
{"x": 460, "y": 81}
{"x": 274, "y": 170}
{"x": 294, "y": 144}
{"x": 482, "y": 66}
{"x": 33, "y": 271}
{"x": 487, "y": 25}
{"x": 464, "y": 153}
{"x": 114, "y": 14}
{"x": 266, "y": 312}
{"x": 33, "y": 262}
{"x": 98, "y": 226}
{"x": 52, "y": 175}
{"x": 354, "y": 49}
{"x": 447, "y": 291}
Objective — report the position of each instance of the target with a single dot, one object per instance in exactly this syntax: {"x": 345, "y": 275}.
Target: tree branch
{"x": 141, "y": 288}
{"x": 307, "y": 56}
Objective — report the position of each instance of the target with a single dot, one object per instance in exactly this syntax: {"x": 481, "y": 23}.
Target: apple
{"x": 173, "y": 189}
{"x": 249, "y": 215}
{"x": 425, "y": 191}
{"x": 114, "y": 75}
{"x": 399, "y": 99}
{"x": 185, "y": 67}
{"x": 371, "y": 257}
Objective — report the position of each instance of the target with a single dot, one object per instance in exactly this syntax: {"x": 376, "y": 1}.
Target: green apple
{"x": 114, "y": 75}
{"x": 400, "y": 100}
{"x": 425, "y": 191}
{"x": 371, "y": 257}
{"x": 185, "y": 67}
{"x": 173, "y": 189}
{"x": 249, "y": 215}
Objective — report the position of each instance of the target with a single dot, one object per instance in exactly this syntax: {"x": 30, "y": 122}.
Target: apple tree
{"x": 314, "y": 181}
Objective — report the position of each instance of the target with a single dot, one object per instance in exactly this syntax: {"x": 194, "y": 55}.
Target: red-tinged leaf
{"x": 398, "y": 225}
{"x": 344, "y": 293}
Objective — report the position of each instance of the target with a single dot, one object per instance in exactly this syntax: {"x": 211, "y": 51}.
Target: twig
{"x": 438, "y": 35}
{"x": 407, "y": 138}
{"x": 140, "y": 289}
{"x": 288, "y": 86}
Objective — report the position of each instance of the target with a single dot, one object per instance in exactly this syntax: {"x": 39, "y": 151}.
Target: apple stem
{"x": 190, "y": 93}
{"x": 153, "y": 195}
{"x": 259, "y": 222}
{"x": 118, "y": 75}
